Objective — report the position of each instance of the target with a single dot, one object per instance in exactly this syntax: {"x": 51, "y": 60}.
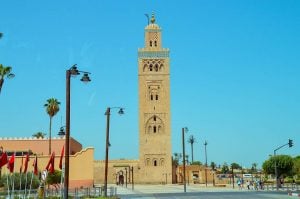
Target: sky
{"x": 235, "y": 69}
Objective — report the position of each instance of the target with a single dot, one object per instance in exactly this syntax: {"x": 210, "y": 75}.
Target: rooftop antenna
{"x": 147, "y": 18}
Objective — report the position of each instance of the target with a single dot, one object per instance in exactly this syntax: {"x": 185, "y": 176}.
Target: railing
{"x": 74, "y": 193}
{"x": 284, "y": 187}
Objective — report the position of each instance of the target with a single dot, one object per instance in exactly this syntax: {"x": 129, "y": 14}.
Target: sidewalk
{"x": 170, "y": 188}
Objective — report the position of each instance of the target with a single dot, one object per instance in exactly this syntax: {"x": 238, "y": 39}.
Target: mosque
{"x": 154, "y": 165}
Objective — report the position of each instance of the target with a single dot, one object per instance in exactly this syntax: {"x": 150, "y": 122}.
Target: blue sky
{"x": 234, "y": 72}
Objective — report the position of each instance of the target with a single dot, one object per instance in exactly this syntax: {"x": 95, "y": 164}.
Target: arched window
{"x": 156, "y": 67}
{"x": 151, "y": 43}
{"x": 145, "y": 67}
{"x": 162, "y": 162}
{"x": 161, "y": 67}
{"x": 154, "y": 129}
{"x": 151, "y": 67}
{"x": 156, "y": 97}
{"x": 154, "y": 118}
{"x": 159, "y": 129}
{"x": 151, "y": 97}
{"x": 155, "y": 43}
{"x": 149, "y": 129}
{"x": 147, "y": 162}
{"x": 155, "y": 163}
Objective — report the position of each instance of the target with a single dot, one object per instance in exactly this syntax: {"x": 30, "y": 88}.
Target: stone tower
{"x": 154, "y": 108}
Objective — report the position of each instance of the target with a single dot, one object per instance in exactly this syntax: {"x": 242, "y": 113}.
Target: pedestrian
{"x": 248, "y": 184}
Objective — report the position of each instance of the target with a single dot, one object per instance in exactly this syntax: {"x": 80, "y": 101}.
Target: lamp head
{"x": 73, "y": 70}
{"x": 121, "y": 111}
{"x": 61, "y": 132}
{"x": 85, "y": 78}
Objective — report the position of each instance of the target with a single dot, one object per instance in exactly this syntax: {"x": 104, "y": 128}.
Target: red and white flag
{"x": 3, "y": 159}
{"x": 11, "y": 163}
{"x": 61, "y": 157}
{"x": 26, "y": 163}
{"x": 50, "y": 165}
{"x": 35, "y": 166}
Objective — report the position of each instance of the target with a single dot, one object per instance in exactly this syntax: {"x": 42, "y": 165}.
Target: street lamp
{"x": 107, "y": 144}
{"x": 205, "y": 144}
{"x": 184, "y": 130}
{"x": 290, "y": 143}
{"x": 85, "y": 78}
{"x": 61, "y": 132}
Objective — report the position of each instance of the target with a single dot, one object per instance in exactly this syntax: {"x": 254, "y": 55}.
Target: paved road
{"x": 195, "y": 192}
{"x": 210, "y": 195}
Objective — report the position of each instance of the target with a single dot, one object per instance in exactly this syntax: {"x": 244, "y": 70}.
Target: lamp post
{"x": 290, "y": 143}
{"x": 205, "y": 144}
{"x": 132, "y": 181}
{"x": 107, "y": 113}
{"x": 185, "y": 129}
{"x": 1, "y": 152}
{"x": 85, "y": 78}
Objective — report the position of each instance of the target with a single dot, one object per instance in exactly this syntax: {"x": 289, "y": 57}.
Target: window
{"x": 155, "y": 163}
{"x": 154, "y": 118}
{"x": 156, "y": 97}
{"x": 156, "y": 67}
{"x": 151, "y": 43}
{"x": 155, "y": 43}
{"x": 151, "y": 67}
{"x": 151, "y": 97}
{"x": 154, "y": 129}
{"x": 147, "y": 162}
{"x": 162, "y": 162}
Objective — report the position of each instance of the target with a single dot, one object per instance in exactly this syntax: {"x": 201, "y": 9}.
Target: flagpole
{"x": 25, "y": 184}
{"x": 61, "y": 180}
{"x": 7, "y": 186}
{"x": 20, "y": 185}
{"x": 30, "y": 185}
{"x": 13, "y": 186}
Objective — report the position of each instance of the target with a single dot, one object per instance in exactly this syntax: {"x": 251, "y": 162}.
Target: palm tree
{"x": 52, "y": 107}
{"x": 213, "y": 165}
{"x": 39, "y": 135}
{"x": 5, "y": 71}
{"x": 192, "y": 140}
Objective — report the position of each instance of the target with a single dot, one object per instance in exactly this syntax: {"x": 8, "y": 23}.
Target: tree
{"x": 235, "y": 166}
{"x": 284, "y": 164}
{"x": 224, "y": 168}
{"x": 196, "y": 163}
{"x": 192, "y": 140}
{"x": 213, "y": 165}
{"x": 39, "y": 135}
{"x": 52, "y": 107}
{"x": 5, "y": 71}
{"x": 296, "y": 169}
{"x": 54, "y": 178}
{"x": 253, "y": 168}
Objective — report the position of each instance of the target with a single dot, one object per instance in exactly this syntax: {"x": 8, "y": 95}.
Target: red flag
{"x": 61, "y": 157}
{"x": 50, "y": 165}
{"x": 21, "y": 166}
{"x": 26, "y": 163}
{"x": 3, "y": 159}
{"x": 11, "y": 163}
{"x": 35, "y": 167}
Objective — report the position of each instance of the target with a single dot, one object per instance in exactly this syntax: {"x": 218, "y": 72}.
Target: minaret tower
{"x": 154, "y": 108}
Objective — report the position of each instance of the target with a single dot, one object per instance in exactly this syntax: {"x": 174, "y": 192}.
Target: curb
{"x": 294, "y": 194}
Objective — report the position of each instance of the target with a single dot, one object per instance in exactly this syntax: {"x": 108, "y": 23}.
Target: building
{"x": 155, "y": 154}
{"x": 39, "y": 147}
{"x": 154, "y": 107}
